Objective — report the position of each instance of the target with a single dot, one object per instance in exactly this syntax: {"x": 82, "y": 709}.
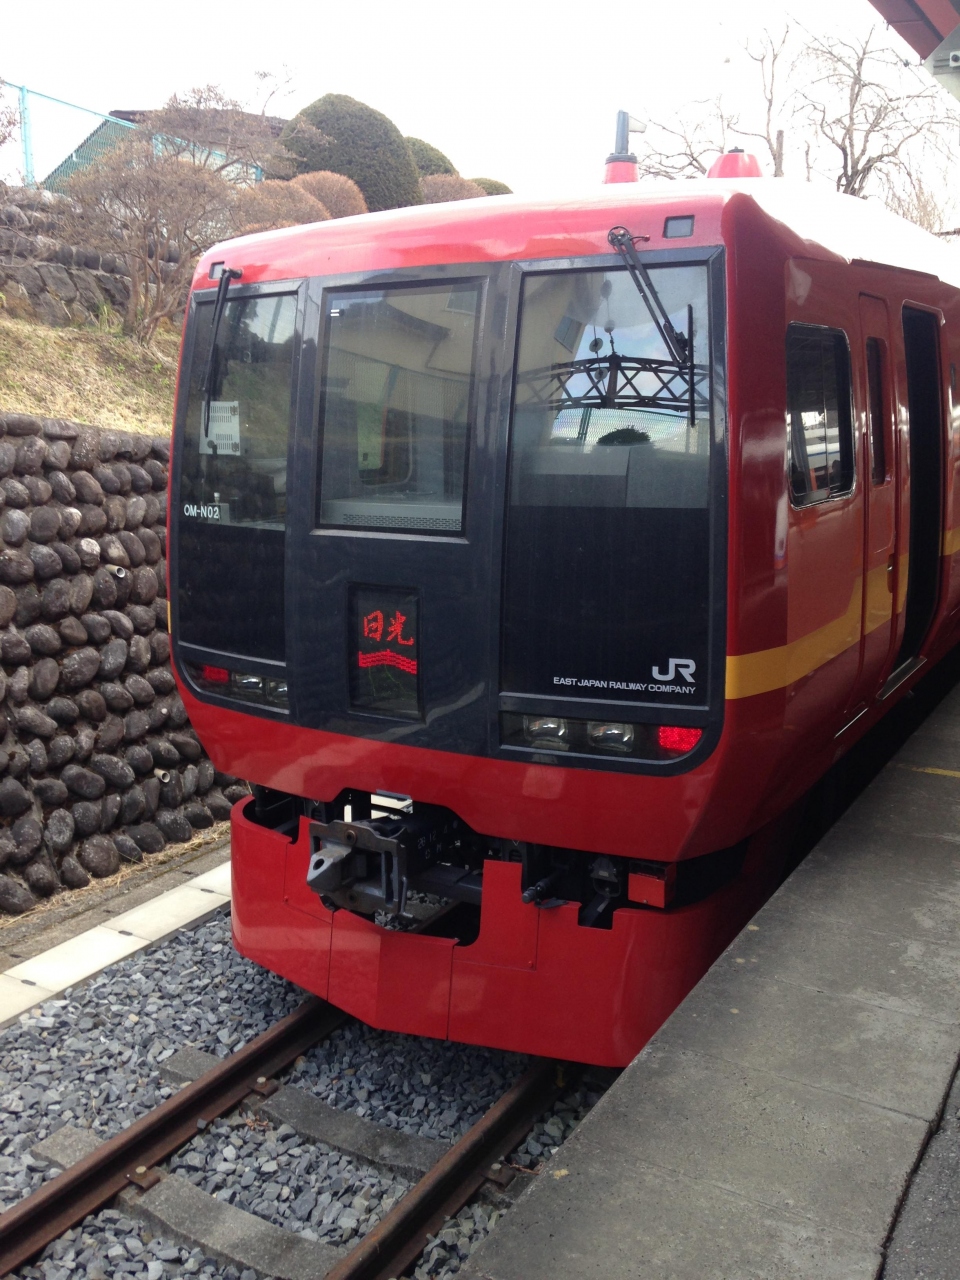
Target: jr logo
{"x": 684, "y": 667}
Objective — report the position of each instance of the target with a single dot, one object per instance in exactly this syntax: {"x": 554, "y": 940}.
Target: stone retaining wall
{"x": 42, "y": 275}
{"x": 98, "y": 762}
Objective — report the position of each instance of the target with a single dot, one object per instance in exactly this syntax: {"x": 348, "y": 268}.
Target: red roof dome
{"x": 735, "y": 164}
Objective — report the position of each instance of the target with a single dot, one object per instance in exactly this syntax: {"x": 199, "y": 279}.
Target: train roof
{"x": 811, "y": 221}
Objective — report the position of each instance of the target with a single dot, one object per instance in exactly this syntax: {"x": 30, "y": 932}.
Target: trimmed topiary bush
{"x": 440, "y": 187}
{"x": 339, "y": 195}
{"x": 358, "y": 142}
{"x": 429, "y": 159}
{"x": 492, "y": 187}
{"x": 276, "y": 203}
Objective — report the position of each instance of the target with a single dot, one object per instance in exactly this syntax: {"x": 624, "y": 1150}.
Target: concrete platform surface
{"x": 74, "y": 911}
{"x": 87, "y": 951}
{"x": 926, "y": 1240}
{"x": 771, "y": 1128}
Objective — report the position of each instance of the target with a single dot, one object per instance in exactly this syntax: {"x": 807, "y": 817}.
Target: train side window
{"x": 876, "y": 411}
{"x": 819, "y": 419}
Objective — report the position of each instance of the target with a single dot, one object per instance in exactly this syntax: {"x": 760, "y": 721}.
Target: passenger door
{"x": 386, "y": 558}
{"x": 884, "y": 580}
{"x": 921, "y": 339}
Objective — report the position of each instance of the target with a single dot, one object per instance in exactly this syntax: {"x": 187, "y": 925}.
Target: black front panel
{"x": 446, "y": 558}
{"x": 606, "y": 613}
{"x": 231, "y": 596}
{"x": 394, "y": 494}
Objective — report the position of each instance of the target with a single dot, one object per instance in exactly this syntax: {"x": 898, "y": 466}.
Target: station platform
{"x": 69, "y": 939}
{"x": 771, "y": 1128}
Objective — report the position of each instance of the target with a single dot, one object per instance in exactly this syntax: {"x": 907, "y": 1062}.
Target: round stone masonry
{"x": 98, "y": 763}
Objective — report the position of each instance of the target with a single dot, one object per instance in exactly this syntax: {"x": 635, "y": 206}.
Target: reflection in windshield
{"x": 396, "y": 406}
{"x": 236, "y": 470}
{"x": 607, "y": 558}
{"x": 603, "y": 411}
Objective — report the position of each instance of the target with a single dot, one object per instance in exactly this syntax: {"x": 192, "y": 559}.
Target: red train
{"x": 530, "y": 557}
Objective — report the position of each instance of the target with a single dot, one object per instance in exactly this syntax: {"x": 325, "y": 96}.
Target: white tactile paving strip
{"x": 63, "y": 966}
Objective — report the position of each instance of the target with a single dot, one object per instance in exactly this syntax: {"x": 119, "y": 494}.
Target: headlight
{"x": 550, "y": 730}
{"x": 610, "y": 735}
{"x": 617, "y": 740}
{"x": 246, "y": 686}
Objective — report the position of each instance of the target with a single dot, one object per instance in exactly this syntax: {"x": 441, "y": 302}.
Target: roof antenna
{"x": 622, "y": 163}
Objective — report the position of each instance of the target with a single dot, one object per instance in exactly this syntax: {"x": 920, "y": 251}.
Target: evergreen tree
{"x": 345, "y": 136}
{"x": 429, "y": 160}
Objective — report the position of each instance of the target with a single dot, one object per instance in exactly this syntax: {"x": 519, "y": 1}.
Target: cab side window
{"x": 819, "y": 419}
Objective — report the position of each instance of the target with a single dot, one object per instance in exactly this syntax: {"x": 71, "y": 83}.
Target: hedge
{"x": 492, "y": 187}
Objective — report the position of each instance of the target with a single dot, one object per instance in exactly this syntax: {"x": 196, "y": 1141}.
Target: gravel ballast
{"x": 432, "y": 1088}
{"x": 92, "y": 1057}
{"x": 109, "y": 1244}
{"x": 305, "y": 1187}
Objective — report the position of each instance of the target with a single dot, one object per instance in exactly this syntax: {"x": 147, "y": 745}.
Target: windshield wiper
{"x": 209, "y": 374}
{"x": 677, "y": 343}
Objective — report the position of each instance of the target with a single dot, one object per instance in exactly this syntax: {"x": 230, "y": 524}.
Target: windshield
{"x": 602, "y": 413}
{"x": 235, "y": 466}
{"x": 395, "y": 417}
{"x": 607, "y": 549}
{"x": 231, "y": 512}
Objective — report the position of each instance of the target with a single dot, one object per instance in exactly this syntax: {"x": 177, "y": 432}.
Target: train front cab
{"x": 429, "y": 608}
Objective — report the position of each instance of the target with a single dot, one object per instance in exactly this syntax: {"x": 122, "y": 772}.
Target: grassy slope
{"x": 87, "y": 376}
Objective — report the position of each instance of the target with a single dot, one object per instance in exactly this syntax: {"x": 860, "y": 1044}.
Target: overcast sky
{"x": 511, "y": 89}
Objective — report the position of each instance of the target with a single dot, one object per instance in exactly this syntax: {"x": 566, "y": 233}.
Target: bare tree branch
{"x": 687, "y": 148}
{"x": 768, "y": 57}
{"x": 9, "y": 120}
{"x": 848, "y": 110}
{"x": 917, "y": 201}
{"x": 159, "y": 213}
{"x": 214, "y": 132}
{"x": 275, "y": 85}
{"x": 867, "y": 107}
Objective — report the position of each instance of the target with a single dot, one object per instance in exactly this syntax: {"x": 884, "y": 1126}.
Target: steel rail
{"x": 395, "y": 1242}
{"x": 40, "y": 1218}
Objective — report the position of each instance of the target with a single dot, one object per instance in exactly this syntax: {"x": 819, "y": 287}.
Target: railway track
{"x": 130, "y": 1159}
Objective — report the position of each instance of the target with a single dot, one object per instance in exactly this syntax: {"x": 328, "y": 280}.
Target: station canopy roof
{"x": 924, "y": 24}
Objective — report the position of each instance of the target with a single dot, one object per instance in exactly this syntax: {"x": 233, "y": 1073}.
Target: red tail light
{"x": 215, "y": 675}
{"x": 674, "y": 737}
